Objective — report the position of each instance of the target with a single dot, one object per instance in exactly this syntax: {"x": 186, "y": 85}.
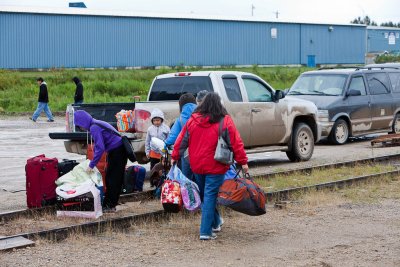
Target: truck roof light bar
{"x": 183, "y": 74}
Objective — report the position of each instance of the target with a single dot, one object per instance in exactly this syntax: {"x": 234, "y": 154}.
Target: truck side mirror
{"x": 278, "y": 95}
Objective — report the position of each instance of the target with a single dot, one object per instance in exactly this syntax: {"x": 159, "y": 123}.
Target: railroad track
{"x": 124, "y": 221}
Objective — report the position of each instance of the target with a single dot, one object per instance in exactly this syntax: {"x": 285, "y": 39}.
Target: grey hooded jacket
{"x": 160, "y": 132}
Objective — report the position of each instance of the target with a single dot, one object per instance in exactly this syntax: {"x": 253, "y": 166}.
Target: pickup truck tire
{"x": 302, "y": 146}
{"x": 396, "y": 124}
{"x": 339, "y": 133}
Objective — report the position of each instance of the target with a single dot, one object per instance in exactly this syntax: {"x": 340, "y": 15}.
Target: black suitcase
{"x": 66, "y": 166}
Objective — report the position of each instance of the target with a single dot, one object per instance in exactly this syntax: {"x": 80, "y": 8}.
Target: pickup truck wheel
{"x": 396, "y": 124}
{"x": 302, "y": 143}
{"x": 339, "y": 133}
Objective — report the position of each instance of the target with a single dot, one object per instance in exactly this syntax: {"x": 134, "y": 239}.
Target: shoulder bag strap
{"x": 108, "y": 129}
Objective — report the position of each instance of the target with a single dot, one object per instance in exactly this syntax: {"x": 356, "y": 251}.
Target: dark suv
{"x": 353, "y": 102}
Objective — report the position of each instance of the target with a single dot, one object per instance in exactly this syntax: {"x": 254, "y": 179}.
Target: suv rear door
{"x": 381, "y": 100}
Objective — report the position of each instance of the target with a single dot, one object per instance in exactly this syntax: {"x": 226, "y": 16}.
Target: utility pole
{"x": 276, "y": 14}
{"x": 252, "y": 9}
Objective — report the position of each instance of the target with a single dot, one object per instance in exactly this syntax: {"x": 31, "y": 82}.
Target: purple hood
{"x": 104, "y": 140}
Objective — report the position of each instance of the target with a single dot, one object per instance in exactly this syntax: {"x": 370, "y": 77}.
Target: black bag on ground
{"x": 133, "y": 179}
{"x": 66, "y": 166}
{"x": 83, "y": 202}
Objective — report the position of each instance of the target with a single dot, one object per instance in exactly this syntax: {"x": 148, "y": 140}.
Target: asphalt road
{"x": 21, "y": 139}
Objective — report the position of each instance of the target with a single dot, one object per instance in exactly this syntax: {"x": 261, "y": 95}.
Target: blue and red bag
{"x": 133, "y": 179}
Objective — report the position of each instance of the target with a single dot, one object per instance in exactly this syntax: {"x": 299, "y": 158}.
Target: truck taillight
{"x": 183, "y": 74}
{"x": 69, "y": 119}
{"x": 142, "y": 120}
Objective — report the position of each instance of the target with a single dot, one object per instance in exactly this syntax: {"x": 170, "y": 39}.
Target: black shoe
{"x": 50, "y": 120}
{"x": 32, "y": 119}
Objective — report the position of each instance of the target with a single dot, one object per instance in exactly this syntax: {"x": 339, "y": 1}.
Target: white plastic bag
{"x": 157, "y": 145}
{"x": 189, "y": 190}
{"x": 79, "y": 176}
{"x": 85, "y": 191}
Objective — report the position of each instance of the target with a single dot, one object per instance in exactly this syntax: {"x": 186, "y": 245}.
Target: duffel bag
{"x": 242, "y": 195}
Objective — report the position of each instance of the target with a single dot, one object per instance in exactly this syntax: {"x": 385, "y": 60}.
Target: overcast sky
{"x": 332, "y": 11}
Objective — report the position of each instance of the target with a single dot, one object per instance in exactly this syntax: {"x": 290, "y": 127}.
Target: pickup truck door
{"x": 267, "y": 119}
{"x": 381, "y": 100}
{"x": 358, "y": 106}
{"x": 235, "y": 106}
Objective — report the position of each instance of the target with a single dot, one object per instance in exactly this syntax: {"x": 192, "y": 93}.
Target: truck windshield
{"x": 317, "y": 84}
{"x": 172, "y": 88}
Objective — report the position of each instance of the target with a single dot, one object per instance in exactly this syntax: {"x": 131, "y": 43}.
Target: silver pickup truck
{"x": 265, "y": 118}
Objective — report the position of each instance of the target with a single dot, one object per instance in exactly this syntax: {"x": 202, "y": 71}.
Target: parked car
{"x": 353, "y": 102}
{"x": 265, "y": 118}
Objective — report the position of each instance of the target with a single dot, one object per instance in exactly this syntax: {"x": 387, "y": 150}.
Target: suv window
{"x": 395, "y": 80}
{"x": 172, "y": 88}
{"x": 232, "y": 89}
{"x": 256, "y": 91}
{"x": 357, "y": 83}
{"x": 378, "y": 83}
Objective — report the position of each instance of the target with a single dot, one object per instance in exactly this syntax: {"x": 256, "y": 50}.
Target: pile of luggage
{"x": 66, "y": 184}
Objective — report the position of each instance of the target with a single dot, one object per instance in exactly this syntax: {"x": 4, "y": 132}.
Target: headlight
{"x": 323, "y": 115}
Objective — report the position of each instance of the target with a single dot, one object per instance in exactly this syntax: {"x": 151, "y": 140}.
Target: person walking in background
{"x": 201, "y": 136}
{"x": 158, "y": 129}
{"x": 43, "y": 102}
{"x": 105, "y": 141}
{"x": 187, "y": 103}
{"x": 78, "y": 98}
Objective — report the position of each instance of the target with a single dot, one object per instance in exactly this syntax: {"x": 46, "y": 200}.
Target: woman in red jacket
{"x": 200, "y": 134}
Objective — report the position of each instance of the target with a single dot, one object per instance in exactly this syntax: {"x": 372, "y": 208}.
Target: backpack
{"x": 171, "y": 196}
{"x": 242, "y": 195}
{"x": 133, "y": 179}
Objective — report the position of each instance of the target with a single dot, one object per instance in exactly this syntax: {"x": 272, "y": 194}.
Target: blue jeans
{"x": 185, "y": 167}
{"x": 209, "y": 185}
{"x": 42, "y": 106}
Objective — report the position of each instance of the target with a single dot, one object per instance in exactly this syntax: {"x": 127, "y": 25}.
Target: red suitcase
{"x": 41, "y": 174}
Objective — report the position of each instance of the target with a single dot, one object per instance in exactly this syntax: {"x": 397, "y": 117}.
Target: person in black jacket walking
{"x": 43, "y": 102}
{"x": 78, "y": 98}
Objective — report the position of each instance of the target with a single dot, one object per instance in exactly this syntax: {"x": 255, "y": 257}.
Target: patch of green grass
{"x": 19, "y": 90}
{"x": 319, "y": 176}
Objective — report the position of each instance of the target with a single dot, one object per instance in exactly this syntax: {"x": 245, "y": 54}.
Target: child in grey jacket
{"x": 158, "y": 129}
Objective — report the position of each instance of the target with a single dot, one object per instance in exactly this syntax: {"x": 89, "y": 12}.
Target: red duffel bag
{"x": 242, "y": 195}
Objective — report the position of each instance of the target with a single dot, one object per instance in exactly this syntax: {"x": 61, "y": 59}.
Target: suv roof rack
{"x": 378, "y": 67}
{"x": 340, "y": 67}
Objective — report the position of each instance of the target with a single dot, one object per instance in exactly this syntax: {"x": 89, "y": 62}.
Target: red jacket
{"x": 201, "y": 137}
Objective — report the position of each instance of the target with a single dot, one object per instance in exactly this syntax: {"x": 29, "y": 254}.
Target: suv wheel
{"x": 396, "y": 124}
{"x": 339, "y": 133}
{"x": 302, "y": 143}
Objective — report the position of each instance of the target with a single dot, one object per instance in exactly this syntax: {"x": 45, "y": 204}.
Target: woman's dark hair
{"x": 186, "y": 98}
{"x": 212, "y": 107}
{"x": 40, "y": 79}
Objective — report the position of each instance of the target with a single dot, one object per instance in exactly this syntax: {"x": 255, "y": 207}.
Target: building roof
{"x": 92, "y": 12}
{"x": 383, "y": 28}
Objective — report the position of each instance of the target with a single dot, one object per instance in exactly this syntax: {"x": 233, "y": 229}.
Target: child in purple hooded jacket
{"x": 105, "y": 141}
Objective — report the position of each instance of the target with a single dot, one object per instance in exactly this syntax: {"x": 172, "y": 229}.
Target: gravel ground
{"x": 344, "y": 228}
{"x": 327, "y": 229}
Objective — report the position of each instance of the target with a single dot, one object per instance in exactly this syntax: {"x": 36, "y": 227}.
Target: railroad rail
{"x": 125, "y": 221}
